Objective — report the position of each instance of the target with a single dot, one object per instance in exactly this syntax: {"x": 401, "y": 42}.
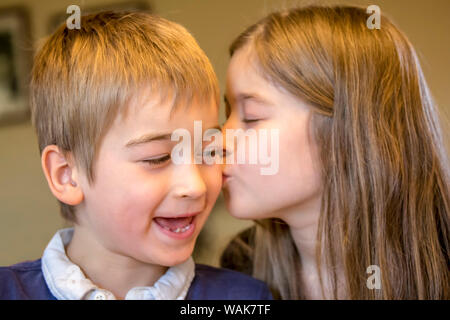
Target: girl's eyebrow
{"x": 248, "y": 96}
{"x": 242, "y": 97}
{"x": 253, "y": 97}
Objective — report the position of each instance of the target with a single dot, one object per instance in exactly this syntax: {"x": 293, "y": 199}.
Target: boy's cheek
{"x": 214, "y": 177}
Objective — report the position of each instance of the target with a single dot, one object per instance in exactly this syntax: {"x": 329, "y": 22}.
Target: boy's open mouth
{"x": 176, "y": 225}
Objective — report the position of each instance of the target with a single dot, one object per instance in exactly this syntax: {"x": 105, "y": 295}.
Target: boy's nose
{"x": 190, "y": 183}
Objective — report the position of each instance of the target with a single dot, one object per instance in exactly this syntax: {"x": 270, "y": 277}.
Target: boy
{"x": 105, "y": 99}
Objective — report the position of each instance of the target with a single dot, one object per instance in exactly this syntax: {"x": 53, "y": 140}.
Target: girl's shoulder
{"x": 224, "y": 284}
{"x": 238, "y": 255}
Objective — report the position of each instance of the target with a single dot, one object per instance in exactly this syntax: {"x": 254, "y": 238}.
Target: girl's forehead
{"x": 245, "y": 74}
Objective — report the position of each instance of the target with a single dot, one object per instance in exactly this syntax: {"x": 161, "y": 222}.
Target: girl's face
{"x": 255, "y": 103}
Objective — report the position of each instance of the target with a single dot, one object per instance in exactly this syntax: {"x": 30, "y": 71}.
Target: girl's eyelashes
{"x": 249, "y": 120}
{"x": 159, "y": 160}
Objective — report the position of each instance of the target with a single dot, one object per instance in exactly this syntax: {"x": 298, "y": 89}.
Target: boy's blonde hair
{"x": 81, "y": 78}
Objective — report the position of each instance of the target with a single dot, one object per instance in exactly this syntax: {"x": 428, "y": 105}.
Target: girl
{"x": 363, "y": 184}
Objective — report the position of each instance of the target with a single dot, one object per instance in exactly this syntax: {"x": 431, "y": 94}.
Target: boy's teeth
{"x": 176, "y": 225}
{"x": 178, "y": 230}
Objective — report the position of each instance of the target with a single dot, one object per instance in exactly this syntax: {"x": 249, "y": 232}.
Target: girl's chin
{"x": 244, "y": 214}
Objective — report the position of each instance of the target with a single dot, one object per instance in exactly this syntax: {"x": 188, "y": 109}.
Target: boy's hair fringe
{"x": 82, "y": 78}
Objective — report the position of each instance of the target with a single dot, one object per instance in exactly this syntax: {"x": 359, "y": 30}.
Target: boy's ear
{"x": 61, "y": 175}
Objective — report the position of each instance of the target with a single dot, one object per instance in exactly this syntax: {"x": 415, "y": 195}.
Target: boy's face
{"x": 138, "y": 191}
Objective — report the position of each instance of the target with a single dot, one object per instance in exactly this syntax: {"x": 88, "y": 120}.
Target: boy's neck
{"x": 109, "y": 270}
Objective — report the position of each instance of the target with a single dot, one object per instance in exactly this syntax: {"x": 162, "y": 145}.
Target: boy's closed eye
{"x": 209, "y": 152}
{"x": 158, "y": 159}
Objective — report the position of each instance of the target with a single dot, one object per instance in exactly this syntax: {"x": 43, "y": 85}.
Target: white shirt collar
{"x": 66, "y": 280}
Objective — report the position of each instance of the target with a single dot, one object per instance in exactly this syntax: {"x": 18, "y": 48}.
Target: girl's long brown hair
{"x": 385, "y": 169}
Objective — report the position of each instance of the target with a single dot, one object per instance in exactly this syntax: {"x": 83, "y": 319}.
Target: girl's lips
{"x": 226, "y": 178}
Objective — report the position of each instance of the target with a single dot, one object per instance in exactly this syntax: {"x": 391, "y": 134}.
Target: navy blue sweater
{"x": 25, "y": 281}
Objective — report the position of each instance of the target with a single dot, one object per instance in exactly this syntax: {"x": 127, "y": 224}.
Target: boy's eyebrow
{"x": 146, "y": 138}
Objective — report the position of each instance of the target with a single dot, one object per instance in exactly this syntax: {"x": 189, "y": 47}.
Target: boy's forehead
{"x": 153, "y": 114}
{"x": 162, "y": 103}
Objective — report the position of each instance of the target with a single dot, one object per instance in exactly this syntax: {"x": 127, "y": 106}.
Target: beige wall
{"x": 28, "y": 212}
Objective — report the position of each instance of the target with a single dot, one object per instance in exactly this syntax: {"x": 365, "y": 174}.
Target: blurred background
{"x": 29, "y": 214}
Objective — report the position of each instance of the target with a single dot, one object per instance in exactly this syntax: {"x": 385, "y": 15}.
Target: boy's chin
{"x": 173, "y": 262}
{"x": 170, "y": 259}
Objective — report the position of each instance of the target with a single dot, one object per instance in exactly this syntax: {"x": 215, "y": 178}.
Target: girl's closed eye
{"x": 252, "y": 112}
{"x": 249, "y": 120}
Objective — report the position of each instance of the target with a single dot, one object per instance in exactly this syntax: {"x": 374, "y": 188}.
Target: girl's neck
{"x": 305, "y": 240}
{"x": 303, "y": 221}
{"x": 303, "y": 224}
